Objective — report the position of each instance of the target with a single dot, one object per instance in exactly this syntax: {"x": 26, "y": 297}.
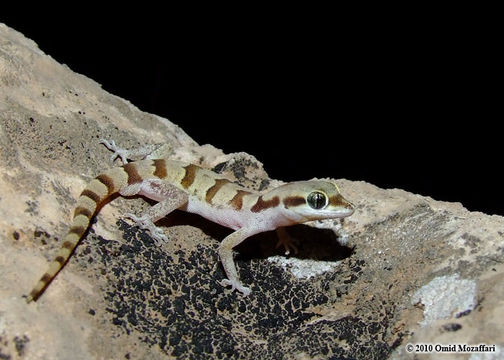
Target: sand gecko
{"x": 178, "y": 185}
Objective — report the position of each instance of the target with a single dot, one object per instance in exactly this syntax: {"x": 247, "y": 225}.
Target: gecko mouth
{"x": 348, "y": 211}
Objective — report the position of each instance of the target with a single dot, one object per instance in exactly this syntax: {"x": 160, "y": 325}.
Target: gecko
{"x": 178, "y": 185}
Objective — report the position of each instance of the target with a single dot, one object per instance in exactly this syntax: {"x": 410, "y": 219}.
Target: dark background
{"x": 408, "y": 103}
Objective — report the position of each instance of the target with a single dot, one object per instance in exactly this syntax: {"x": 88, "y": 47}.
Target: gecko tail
{"x": 70, "y": 242}
{"x": 91, "y": 198}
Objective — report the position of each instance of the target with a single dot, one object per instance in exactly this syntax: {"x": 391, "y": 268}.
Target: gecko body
{"x": 188, "y": 187}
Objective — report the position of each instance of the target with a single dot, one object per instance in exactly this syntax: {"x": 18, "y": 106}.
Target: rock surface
{"x": 404, "y": 269}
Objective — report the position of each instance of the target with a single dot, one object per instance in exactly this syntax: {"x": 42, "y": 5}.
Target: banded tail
{"x": 95, "y": 193}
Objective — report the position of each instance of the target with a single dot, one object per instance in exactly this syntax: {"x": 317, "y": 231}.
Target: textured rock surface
{"x": 413, "y": 270}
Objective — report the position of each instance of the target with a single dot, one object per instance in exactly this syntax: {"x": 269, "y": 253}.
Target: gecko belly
{"x": 223, "y": 216}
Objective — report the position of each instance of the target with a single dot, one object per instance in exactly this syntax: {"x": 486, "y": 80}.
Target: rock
{"x": 404, "y": 269}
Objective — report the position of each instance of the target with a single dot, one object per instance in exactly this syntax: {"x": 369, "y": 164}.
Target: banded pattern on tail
{"x": 95, "y": 193}
{"x": 178, "y": 185}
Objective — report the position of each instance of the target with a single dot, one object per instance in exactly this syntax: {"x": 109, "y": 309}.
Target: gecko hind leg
{"x": 144, "y": 152}
{"x": 145, "y": 223}
{"x": 169, "y": 197}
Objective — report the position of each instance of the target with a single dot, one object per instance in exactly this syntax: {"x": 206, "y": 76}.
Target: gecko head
{"x": 314, "y": 200}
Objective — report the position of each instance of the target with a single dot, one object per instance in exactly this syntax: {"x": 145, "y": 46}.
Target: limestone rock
{"x": 403, "y": 269}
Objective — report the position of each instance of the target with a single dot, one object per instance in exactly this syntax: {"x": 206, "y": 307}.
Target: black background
{"x": 398, "y": 102}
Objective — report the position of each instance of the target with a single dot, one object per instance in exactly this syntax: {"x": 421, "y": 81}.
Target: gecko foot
{"x": 286, "y": 240}
{"x": 287, "y": 246}
{"x": 236, "y": 285}
{"x": 145, "y": 223}
{"x": 118, "y": 152}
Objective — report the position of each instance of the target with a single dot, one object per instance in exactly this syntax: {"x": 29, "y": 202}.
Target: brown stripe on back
{"x": 237, "y": 201}
{"x": 190, "y": 174}
{"x": 92, "y": 195}
{"x": 107, "y": 181}
{"x": 292, "y": 201}
{"x": 262, "y": 205}
{"x": 160, "y": 165}
{"x": 60, "y": 260}
{"x": 219, "y": 183}
{"x": 79, "y": 210}
{"x": 132, "y": 172}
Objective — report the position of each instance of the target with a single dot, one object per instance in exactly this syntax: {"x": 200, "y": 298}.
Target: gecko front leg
{"x": 226, "y": 257}
{"x": 286, "y": 240}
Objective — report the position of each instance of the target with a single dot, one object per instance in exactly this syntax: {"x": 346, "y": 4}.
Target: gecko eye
{"x": 317, "y": 200}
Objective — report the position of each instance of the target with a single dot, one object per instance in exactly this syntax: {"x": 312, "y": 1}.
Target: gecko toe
{"x": 117, "y": 152}
{"x": 235, "y": 285}
{"x": 146, "y": 223}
